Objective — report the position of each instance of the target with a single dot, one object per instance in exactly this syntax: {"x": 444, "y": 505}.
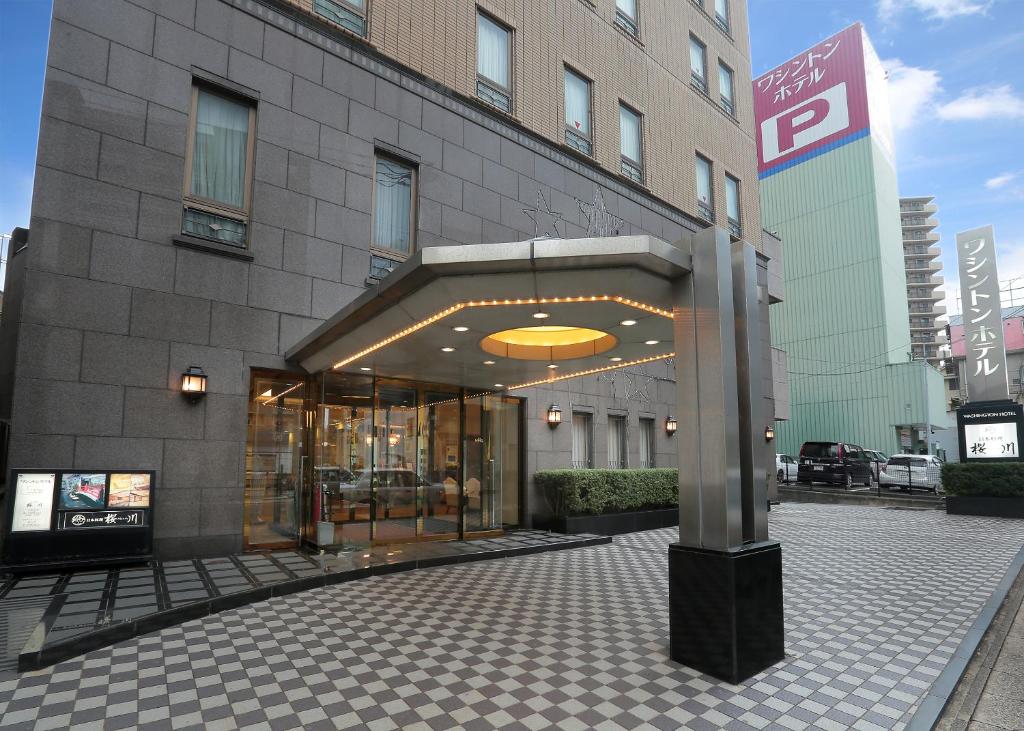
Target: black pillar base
{"x": 725, "y": 609}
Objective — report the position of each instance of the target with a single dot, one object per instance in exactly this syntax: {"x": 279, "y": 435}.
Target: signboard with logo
{"x": 985, "y": 370}
{"x": 72, "y": 517}
{"x": 990, "y": 432}
{"x": 813, "y": 103}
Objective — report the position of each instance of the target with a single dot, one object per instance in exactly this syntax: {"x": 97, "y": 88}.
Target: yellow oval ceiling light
{"x": 548, "y": 342}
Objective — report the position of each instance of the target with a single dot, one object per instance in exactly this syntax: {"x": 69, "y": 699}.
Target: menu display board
{"x": 990, "y": 431}
{"x": 78, "y": 516}
{"x": 33, "y": 501}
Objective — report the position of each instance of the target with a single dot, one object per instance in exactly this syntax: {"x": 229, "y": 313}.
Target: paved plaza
{"x": 877, "y": 600}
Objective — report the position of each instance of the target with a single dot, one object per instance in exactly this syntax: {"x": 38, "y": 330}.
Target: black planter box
{"x": 613, "y": 524}
{"x": 996, "y": 507}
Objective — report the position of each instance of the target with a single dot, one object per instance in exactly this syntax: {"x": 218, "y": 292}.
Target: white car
{"x": 785, "y": 468}
{"x": 912, "y": 471}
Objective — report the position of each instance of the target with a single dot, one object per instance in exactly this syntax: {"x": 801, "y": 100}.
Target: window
{"x": 616, "y": 442}
{"x": 393, "y": 205}
{"x": 698, "y": 67}
{"x": 625, "y": 16}
{"x": 722, "y": 14}
{"x": 725, "y": 85}
{"x": 218, "y": 167}
{"x": 582, "y": 446}
{"x": 577, "y": 113}
{"x": 631, "y": 143}
{"x": 705, "y": 199}
{"x": 493, "y": 63}
{"x": 647, "y": 442}
{"x": 349, "y": 14}
{"x": 732, "y": 204}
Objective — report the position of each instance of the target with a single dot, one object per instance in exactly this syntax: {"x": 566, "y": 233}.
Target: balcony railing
{"x": 578, "y": 142}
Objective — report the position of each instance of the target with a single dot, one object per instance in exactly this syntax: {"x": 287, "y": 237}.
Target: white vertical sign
{"x": 983, "y": 323}
{"x": 33, "y": 500}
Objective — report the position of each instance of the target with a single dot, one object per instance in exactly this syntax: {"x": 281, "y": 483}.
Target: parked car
{"x": 785, "y": 468}
{"x": 911, "y": 472}
{"x": 878, "y": 460}
{"x": 833, "y": 462}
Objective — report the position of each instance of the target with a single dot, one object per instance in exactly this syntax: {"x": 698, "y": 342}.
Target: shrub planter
{"x": 613, "y": 524}
{"x": 996, "y": 507}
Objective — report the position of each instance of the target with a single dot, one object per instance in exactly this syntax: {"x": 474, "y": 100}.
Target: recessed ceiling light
{"x": 553, "y": 365}
{"x": 460, "y": 328}
{"x": 541, "y": 315}
{"x": 499, "y": 385}
{"x": 628, "y": 323}
{"x": 651, "y": 342}
{"x": 447, "y": 349}
{"x": 365, "y": 368}
{"x": 488, "y": 362}
{"x": 615, "y": 359}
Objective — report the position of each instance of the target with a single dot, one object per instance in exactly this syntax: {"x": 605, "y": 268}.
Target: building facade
{"x": 217, "y": 178}
{"x": 828, "y": 189}
{"x": 922, "y": 260}
{"x": 1013, "y": 337}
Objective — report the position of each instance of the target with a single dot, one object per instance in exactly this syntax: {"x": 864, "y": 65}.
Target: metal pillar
{"x": 725, "y": 577}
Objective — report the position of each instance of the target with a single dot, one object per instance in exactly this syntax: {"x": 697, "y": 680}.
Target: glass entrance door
{"x": 491, "y": 449}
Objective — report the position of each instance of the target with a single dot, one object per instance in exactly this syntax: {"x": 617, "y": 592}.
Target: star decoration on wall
{"x": 545, "y": 220}
{"x": 636, "y": 384}
{"x": 600, "y": 221}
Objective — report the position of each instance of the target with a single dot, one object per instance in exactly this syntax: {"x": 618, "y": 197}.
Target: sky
{"x": 956, "y": 75}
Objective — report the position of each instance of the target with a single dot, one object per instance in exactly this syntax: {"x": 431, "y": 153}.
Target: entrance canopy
{"x": 508, "y": 315}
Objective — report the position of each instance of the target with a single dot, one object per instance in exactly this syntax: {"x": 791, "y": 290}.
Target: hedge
{"x": 998, "y": 479}
{"x": 595, "y": 492}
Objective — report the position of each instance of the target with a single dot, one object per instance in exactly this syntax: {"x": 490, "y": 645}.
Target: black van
{"x": 834, "y": 462}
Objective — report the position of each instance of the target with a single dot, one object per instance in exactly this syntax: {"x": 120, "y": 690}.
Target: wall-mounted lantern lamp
{"x": 554, "y": 416}
{"x": 193, "y": 383}
{"x": 670, "y": 425}
{"x": 769, "y": 433}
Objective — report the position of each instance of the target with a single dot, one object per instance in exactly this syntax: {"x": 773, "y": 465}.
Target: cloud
{"x": 932, "y": 9}
{"x": 990, "y": 102}
{"x": 1000, "y": 180}
{"x": 912, "y": 91}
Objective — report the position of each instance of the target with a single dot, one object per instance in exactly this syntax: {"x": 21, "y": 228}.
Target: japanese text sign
{"x": 813, "y": 103}
{"x": 982, "y": 321}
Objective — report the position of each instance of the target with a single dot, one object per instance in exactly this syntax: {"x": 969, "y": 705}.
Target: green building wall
{"x": 843, "y": 323}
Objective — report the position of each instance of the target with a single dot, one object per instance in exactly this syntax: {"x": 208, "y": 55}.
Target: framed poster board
{"x": 990, "y": 431}
{"x": 78, "y": 517}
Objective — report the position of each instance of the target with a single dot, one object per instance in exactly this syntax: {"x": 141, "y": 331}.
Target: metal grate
{"x": 19, "y": 618}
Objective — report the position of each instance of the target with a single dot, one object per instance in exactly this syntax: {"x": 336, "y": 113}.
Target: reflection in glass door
{"x": 395, "y": 482}
{"x": 491, "y": 447}
{"x": 439, "y": 461}
{"x": 274, "y": 461}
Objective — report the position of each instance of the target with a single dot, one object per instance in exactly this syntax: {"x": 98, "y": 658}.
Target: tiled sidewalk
{"x": 876, "y": 602}
{"x": 101, "y": 607}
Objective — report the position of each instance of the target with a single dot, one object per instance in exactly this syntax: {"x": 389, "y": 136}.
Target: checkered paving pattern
{"x": 876, "y": 601}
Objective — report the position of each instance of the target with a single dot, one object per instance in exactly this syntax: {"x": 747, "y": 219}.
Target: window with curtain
{"x": 493, "y": 63}
{"x": 647, "y": 442}
{"x": 625, "y": 16}
{"x": 616, "y": 442}
{"x": 722, "y": 14}
{"x": 698, "y": 70}
{"x": 705, "y": 198}
{"x": 577, "y": 112}
{"x": 630, "y": 143}
{"x": 349, "y": 14}
{"x": 394, "y": 182}
{"x": 732, "y": 204}
{"x": 725, "y": 84}
{"x": 219, "y": 170}
{"x": 582, "y": 451}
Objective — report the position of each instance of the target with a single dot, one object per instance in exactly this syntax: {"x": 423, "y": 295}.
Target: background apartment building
{"x": 215, "y": 178}
{"x": 921, "y": 258}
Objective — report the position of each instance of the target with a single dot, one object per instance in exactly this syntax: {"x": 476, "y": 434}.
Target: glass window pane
{"x": 616, "y": 442}
{"x": 392, "y": 205}
{"x": 703, "y": 181}
{"x": 629, "y": 133}
{"x": 696, "y": 57}
{"x": 725, "y": 82}
{"x": 492, "y": 50}
{"x": 647, "y": 442}
{"x": 722, "y": 9}
{"x": 219, "y": 149}
{"x": 732, "y": 198}
{"x": 577, "y": 103}
{"x": 581, "y": 450}
{"x": 628, "y": 7}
